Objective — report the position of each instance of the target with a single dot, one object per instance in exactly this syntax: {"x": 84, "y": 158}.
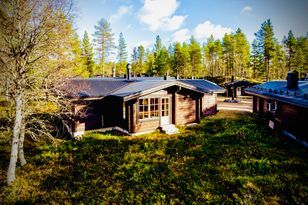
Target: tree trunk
{"x": 15, "y": 140}
{"x": 21, "y": 154}
{"x": 268, "y": 70}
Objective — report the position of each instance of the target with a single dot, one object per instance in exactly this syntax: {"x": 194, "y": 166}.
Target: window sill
{"x": 149, "y": 119}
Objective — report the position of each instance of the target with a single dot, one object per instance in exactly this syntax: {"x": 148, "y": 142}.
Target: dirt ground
{"x": 245, "y": 104}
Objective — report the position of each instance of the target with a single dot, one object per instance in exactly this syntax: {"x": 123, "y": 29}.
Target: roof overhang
{"x": 275, "y": 97}
{"x": 175, "y": 83}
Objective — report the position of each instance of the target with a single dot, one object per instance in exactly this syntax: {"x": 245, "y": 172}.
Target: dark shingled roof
{"x": 278, "y": 90}
{"x": 239, "y": 83}
{"x": 93, "y": 87}
{"x": 138, "y": 87}
{"x": 204, "y": 85}
{"x": 102, "y": 87}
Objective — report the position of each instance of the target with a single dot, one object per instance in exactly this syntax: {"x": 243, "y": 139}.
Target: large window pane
{"x": 148, "y": 108}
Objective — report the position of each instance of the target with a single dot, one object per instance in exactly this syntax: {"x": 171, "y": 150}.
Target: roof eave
{"x": 251, "y": 92}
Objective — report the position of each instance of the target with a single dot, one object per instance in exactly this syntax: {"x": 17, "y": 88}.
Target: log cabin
{"x": 141, "y": 104}
{"x": 284, "y": 105}
{"x": 238, "y": 86}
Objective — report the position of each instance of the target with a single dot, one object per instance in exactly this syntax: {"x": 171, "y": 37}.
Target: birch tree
{"x": 30, "y": 33}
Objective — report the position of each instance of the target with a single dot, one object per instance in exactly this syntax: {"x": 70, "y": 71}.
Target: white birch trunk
{"x": 21, "y": 154}
{"x": 15, "y": 140}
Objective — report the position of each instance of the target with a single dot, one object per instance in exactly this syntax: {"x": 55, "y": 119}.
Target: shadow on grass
{"x": 228, "y": 158}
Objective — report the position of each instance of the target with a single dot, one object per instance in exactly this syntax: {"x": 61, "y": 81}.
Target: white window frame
{"x": 271, "y": 106}
{"x": 149, "y": 105}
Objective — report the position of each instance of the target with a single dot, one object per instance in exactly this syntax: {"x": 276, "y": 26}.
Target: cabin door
{"x": 238, "y": 91}
{"x": 165, "y": 111}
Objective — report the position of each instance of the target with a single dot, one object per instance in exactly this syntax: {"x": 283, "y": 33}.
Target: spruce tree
{"x": 87, "y": 54}
{"x": 122, "y": 53}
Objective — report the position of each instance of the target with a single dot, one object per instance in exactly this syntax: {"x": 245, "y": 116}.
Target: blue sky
{"x": 141, "y": 21}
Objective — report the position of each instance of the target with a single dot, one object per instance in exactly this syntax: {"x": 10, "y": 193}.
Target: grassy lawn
{"x": 229, "y": 158}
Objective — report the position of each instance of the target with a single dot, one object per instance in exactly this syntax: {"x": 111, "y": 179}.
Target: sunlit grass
{"x": 229, "y": 158}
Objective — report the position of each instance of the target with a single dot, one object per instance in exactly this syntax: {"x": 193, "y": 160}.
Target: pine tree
{"x": 104, "y": 39}
{"x": 229, "y": 54}
{"x": 278, "y": 63}
{"x": 177, "y": 60}
{"x": 158, "y": 44}
{"x": 134, "y": 61}
{"x": 87, "y": 54}
{"x": 290, "y": 43}
{"x": 140, "y": 57}
{"x": 210, "y": 54}
{"x": 301, "y": 56}
{"x": 242, "y": 54}
{"x": 78, "y": 65}
{"x": 162, "y": 66}
{"x": 186, "y": 60}
{"x": 149, "y": 62}
{"x": 161, "y": 58}
{"x": 266, "y": 41}
{"x": 122, "y": 53}
{"x": 219, "y": 58}
{"x": 195, "y": 56}
{"x": 256, "y": 59}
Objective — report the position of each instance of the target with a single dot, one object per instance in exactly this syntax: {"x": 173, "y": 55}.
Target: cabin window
{"x": 143, "y": 108}
{"x": 271, "y": 106}
{"x": 153, "y": 107}
{"x": 148, "y": 108}
{"x": 165, "y": 107}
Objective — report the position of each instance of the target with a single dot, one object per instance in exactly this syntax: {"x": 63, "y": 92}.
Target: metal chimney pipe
{"x": 128, "y": 71}
{"x": 292, "y": 80}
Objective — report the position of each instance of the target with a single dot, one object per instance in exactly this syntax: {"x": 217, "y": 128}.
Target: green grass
{"x": 229, "y": 158}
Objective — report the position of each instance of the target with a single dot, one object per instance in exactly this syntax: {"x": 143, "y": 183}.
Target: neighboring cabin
{"x": 239, "y": 86}
{"x": 140, "y": 104}
{"x": 284, "y": 104}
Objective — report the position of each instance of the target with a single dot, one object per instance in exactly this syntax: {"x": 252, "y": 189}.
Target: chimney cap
{"x": 129, "y": 66}
{"x": 292, "y": 80}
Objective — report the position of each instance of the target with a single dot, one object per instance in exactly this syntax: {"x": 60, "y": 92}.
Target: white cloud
{"x": 159, "y": 15}
{"x": 206, "y": 29}
{"x": 122, "y": 10}
{"x": 181, "y": 35}
{"x": 145, "y": 44}
{"x": 246, "y": 10}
